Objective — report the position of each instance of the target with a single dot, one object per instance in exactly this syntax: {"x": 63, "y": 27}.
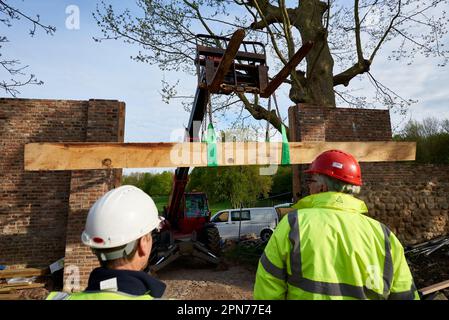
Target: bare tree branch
{"x": 14, "y": 13}
{"x": 387, "y": 31}
{"x": 358, "y": 41}
{"x": 13, "y": 67}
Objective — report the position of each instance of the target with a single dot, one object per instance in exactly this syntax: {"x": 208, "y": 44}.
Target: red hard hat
{"x": 338, "y": 165}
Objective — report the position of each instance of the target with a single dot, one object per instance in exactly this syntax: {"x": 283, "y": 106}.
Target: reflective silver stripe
{"x": 295, "y": 253}
{"x": 276, "y": 272}
{"x": 61, "y": 296}
{"x": 404, "y": 295}
{"x": 388, "y": 263}
{"x": 335, "y": 289}
{"x": 318, "y": 287}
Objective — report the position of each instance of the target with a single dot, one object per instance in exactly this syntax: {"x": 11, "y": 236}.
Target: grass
{"x": 160, "y": 202}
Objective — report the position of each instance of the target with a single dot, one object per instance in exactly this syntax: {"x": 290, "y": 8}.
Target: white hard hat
{"x": 119, "y": 217}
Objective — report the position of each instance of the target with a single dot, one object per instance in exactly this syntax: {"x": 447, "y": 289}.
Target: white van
{"x": 260, "y": 221}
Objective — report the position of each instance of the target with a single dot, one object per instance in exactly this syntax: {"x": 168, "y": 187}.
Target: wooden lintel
{"x": 285, "y": 71}
{"x": 81, "y": 156}
{"x": 435, "y": 287}
{"x": 226, "y": 60}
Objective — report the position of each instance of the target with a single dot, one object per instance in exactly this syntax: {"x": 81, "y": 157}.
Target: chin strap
{"x": 117, "y": 254}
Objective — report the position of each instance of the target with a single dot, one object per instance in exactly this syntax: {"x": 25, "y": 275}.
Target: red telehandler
{"x": 224, "y": 65}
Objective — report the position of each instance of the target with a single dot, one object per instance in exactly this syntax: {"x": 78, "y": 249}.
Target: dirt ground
{"x": 195, "y": 280}
{"x": 189, "y": 279}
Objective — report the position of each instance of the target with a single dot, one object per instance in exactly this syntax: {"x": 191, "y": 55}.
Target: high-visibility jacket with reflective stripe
{"x": 327, "y": 249}
{"x": 100, "y": 295}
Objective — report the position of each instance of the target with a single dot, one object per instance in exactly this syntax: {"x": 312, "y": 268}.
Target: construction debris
{"x": 56, "y": 266}
{"x": 428, "y": 247}
{"x": 12, "y": 280}
{"x": 434, "y": 288}
{"x": 429, "y": 264}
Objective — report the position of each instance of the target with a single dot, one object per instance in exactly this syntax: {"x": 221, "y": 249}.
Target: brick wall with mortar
{"x": 41, "y": 212}
{"x": 411, "y": 199}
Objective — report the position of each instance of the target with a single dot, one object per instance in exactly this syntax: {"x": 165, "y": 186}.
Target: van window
{"x": 222, "y": 217}
{"x": 235, "y": 215}
{"x": 261, "y": 216}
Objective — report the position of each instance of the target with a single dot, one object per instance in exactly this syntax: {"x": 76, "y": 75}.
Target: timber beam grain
{"x": 227, "y": 60}
{"x": 85, "y": 156}
{"x": 435, "y": 287}
{"x": 287, "y": 69}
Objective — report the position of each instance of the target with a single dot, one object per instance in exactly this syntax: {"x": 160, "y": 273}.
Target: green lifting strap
{"x": 211, "y": 140}
{"x": 285, "y": 158}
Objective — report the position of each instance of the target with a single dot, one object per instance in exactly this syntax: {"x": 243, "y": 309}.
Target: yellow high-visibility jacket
{"x": 100, "y": 295}
{"x": 328, "y": 249}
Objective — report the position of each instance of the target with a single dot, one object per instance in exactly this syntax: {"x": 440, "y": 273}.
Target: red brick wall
{"x": 40, "y": 212}
{"x": 412, "y": 199}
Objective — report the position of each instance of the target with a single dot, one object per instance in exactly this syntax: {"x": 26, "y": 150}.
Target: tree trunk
{"x": 316, "y": 86}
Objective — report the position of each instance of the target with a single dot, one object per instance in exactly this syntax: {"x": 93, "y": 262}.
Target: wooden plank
{"x": 285, "y": 71}
{"x": 20, "y": 287}
{"x": 22, "y": 273}
{"x": 81, "y": 156}
{"x": 435, "y": 287}
{"x": 10, "y": 296}
{"x": 21, "y": 284}
{"x": 226, "y": 60}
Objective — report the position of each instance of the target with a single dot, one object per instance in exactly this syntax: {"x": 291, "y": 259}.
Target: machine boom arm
{"x": 192, "y": 133}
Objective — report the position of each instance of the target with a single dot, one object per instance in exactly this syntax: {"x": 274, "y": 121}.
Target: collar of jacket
{"x": 132, "y": 282}
{"x": 332, "y": 200}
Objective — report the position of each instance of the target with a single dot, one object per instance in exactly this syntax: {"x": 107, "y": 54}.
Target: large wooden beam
{"x": 285, "y": 71}
{"x": 226, "y": 60}
{"x": 80, "y": 156}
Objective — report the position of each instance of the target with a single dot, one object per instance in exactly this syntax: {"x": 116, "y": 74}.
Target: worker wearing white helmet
{"x": 118, "y": 230}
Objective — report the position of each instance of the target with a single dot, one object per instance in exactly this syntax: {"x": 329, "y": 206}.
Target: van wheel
{"x": 265, "y": 235}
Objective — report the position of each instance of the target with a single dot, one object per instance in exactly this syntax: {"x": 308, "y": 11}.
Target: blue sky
{"x": 73, "y": 66}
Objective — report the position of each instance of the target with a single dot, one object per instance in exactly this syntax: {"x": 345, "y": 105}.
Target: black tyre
{"x": 265, "y": 235}
{"x": 212, "y": 240}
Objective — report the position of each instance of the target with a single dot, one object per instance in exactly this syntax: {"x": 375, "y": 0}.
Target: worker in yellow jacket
{"x": 118, "y": 230}
{"x": 328, "y": 248}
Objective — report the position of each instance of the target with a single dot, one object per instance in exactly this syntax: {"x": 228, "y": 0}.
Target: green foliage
{"x": 239, "y": 184}
{"x": 282, "y": 180}
{"x": 226, "y": 187}
{"x": 432, "y": 139}
{"x": 214, "y": 207}
{"x": 154, "y": 184}
{"x": 161, "y": 202}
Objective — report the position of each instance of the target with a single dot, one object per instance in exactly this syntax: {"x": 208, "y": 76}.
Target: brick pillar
{"x": 105, "y": 123}
{"x": 315, "y": 123}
